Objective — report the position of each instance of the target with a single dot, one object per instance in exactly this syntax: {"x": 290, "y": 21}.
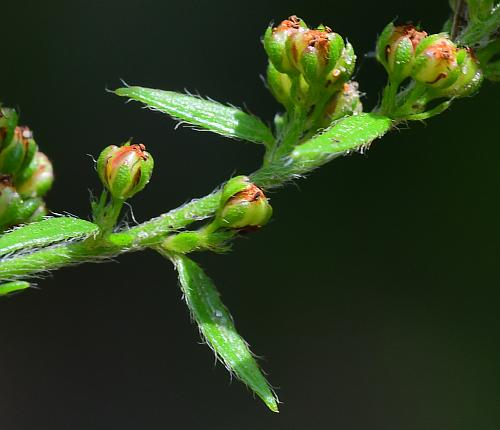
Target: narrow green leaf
{"x": 216, "y": 117}
{"x": 11, "y": 287}
{"x": 352, "y": 133}
{"x": 45, "y": 232}
{"x": 216, "y": 326}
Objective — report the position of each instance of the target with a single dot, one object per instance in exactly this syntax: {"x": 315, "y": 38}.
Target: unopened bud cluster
{"x": 26, "y": 174}
{"x": 307, "y": 67}
{"x": 436, "y": 65}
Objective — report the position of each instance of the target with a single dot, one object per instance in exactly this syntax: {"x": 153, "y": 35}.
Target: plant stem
{"x": 348, "y": 134}
{"x": 106, "y": 213}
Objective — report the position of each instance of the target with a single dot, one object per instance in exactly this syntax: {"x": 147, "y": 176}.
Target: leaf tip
{"x": 272, "y": 404}
{"x": 121, "y": 91}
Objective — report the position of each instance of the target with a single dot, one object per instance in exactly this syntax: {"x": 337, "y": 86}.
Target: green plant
{"x": 309, "y": 73}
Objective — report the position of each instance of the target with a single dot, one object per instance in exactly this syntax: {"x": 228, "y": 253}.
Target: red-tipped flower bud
{"x": 125, "y": 170}
{"x": 37, "y": 178}
{"x": 396, "y": 49}
{"x": 315, "y": 53}
{"x": 295, "y": 49}
{"x": 436, "y": 61}
{"x": 243, "y": 205}
{"x": 17, "y": 153}
{"x": 469, "y": 78}
{"x": 275, "y": 43}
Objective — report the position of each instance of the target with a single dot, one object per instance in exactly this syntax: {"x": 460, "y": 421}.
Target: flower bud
{"x": 243, "y": 205}
{"x": 315, "y": 53}
{"x": 396, "y": 49}
{"x": 343, "y": 103}
{"x": 436, "y": 61}
{"x": 125, "y": 170}
{"x": 342, "y": 71}
{"x": 39, "y": 212}
{"x": 37, "y": 178}
{"x": 275, "y": 43}
{"x": 17, "y": 153}
{"x": 469, "y": 77}
{"x": 10, "y": 203}
{"x": 8, "y": 123}
{"x": 27, "y": 210}
{"x": 279, "y": 84}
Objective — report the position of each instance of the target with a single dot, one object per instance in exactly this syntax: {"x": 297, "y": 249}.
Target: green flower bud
{"x": 38, "y": 179}
{"x": 30, "y": 210}
{"x": 275, "y": 43}
{"x": 243, "y": 205}
{"x": 470, "y": 76}
{"x": 40, "y": 211}
{"x": 342, "y": 71}
{"x": 315, "y": 53}
{"x": 8, "y": 123}
{"x": 10, "y": 203}
{"x": 396, "y": 49}
{"x": 14, "y": 209}
{"x": 436, "y": 61}
{"x": 343, "y": 103}
{"x": 279, "y": 84}
{"x": 17, "y": 153}
{"x": 125, "y": 170}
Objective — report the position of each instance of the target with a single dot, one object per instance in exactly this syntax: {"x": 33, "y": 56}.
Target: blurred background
{"x": 376, "y": 303}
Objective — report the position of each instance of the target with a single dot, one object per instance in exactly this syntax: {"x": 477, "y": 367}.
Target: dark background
{"x": 373, "y": 294}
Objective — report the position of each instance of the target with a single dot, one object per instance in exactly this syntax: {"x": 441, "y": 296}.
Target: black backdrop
{"x": 375, "y": 302}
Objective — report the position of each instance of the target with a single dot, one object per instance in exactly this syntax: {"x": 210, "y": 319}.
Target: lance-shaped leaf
{"x": 216, "y": 326}
{"x": 216, "y": 117}
{"x": 44, "y": 233}
{"x": 351, "y": 133}
{"x": 12, "y": 287}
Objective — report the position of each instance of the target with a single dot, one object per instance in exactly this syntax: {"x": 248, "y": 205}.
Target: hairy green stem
{"x": 347, "y": 134}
